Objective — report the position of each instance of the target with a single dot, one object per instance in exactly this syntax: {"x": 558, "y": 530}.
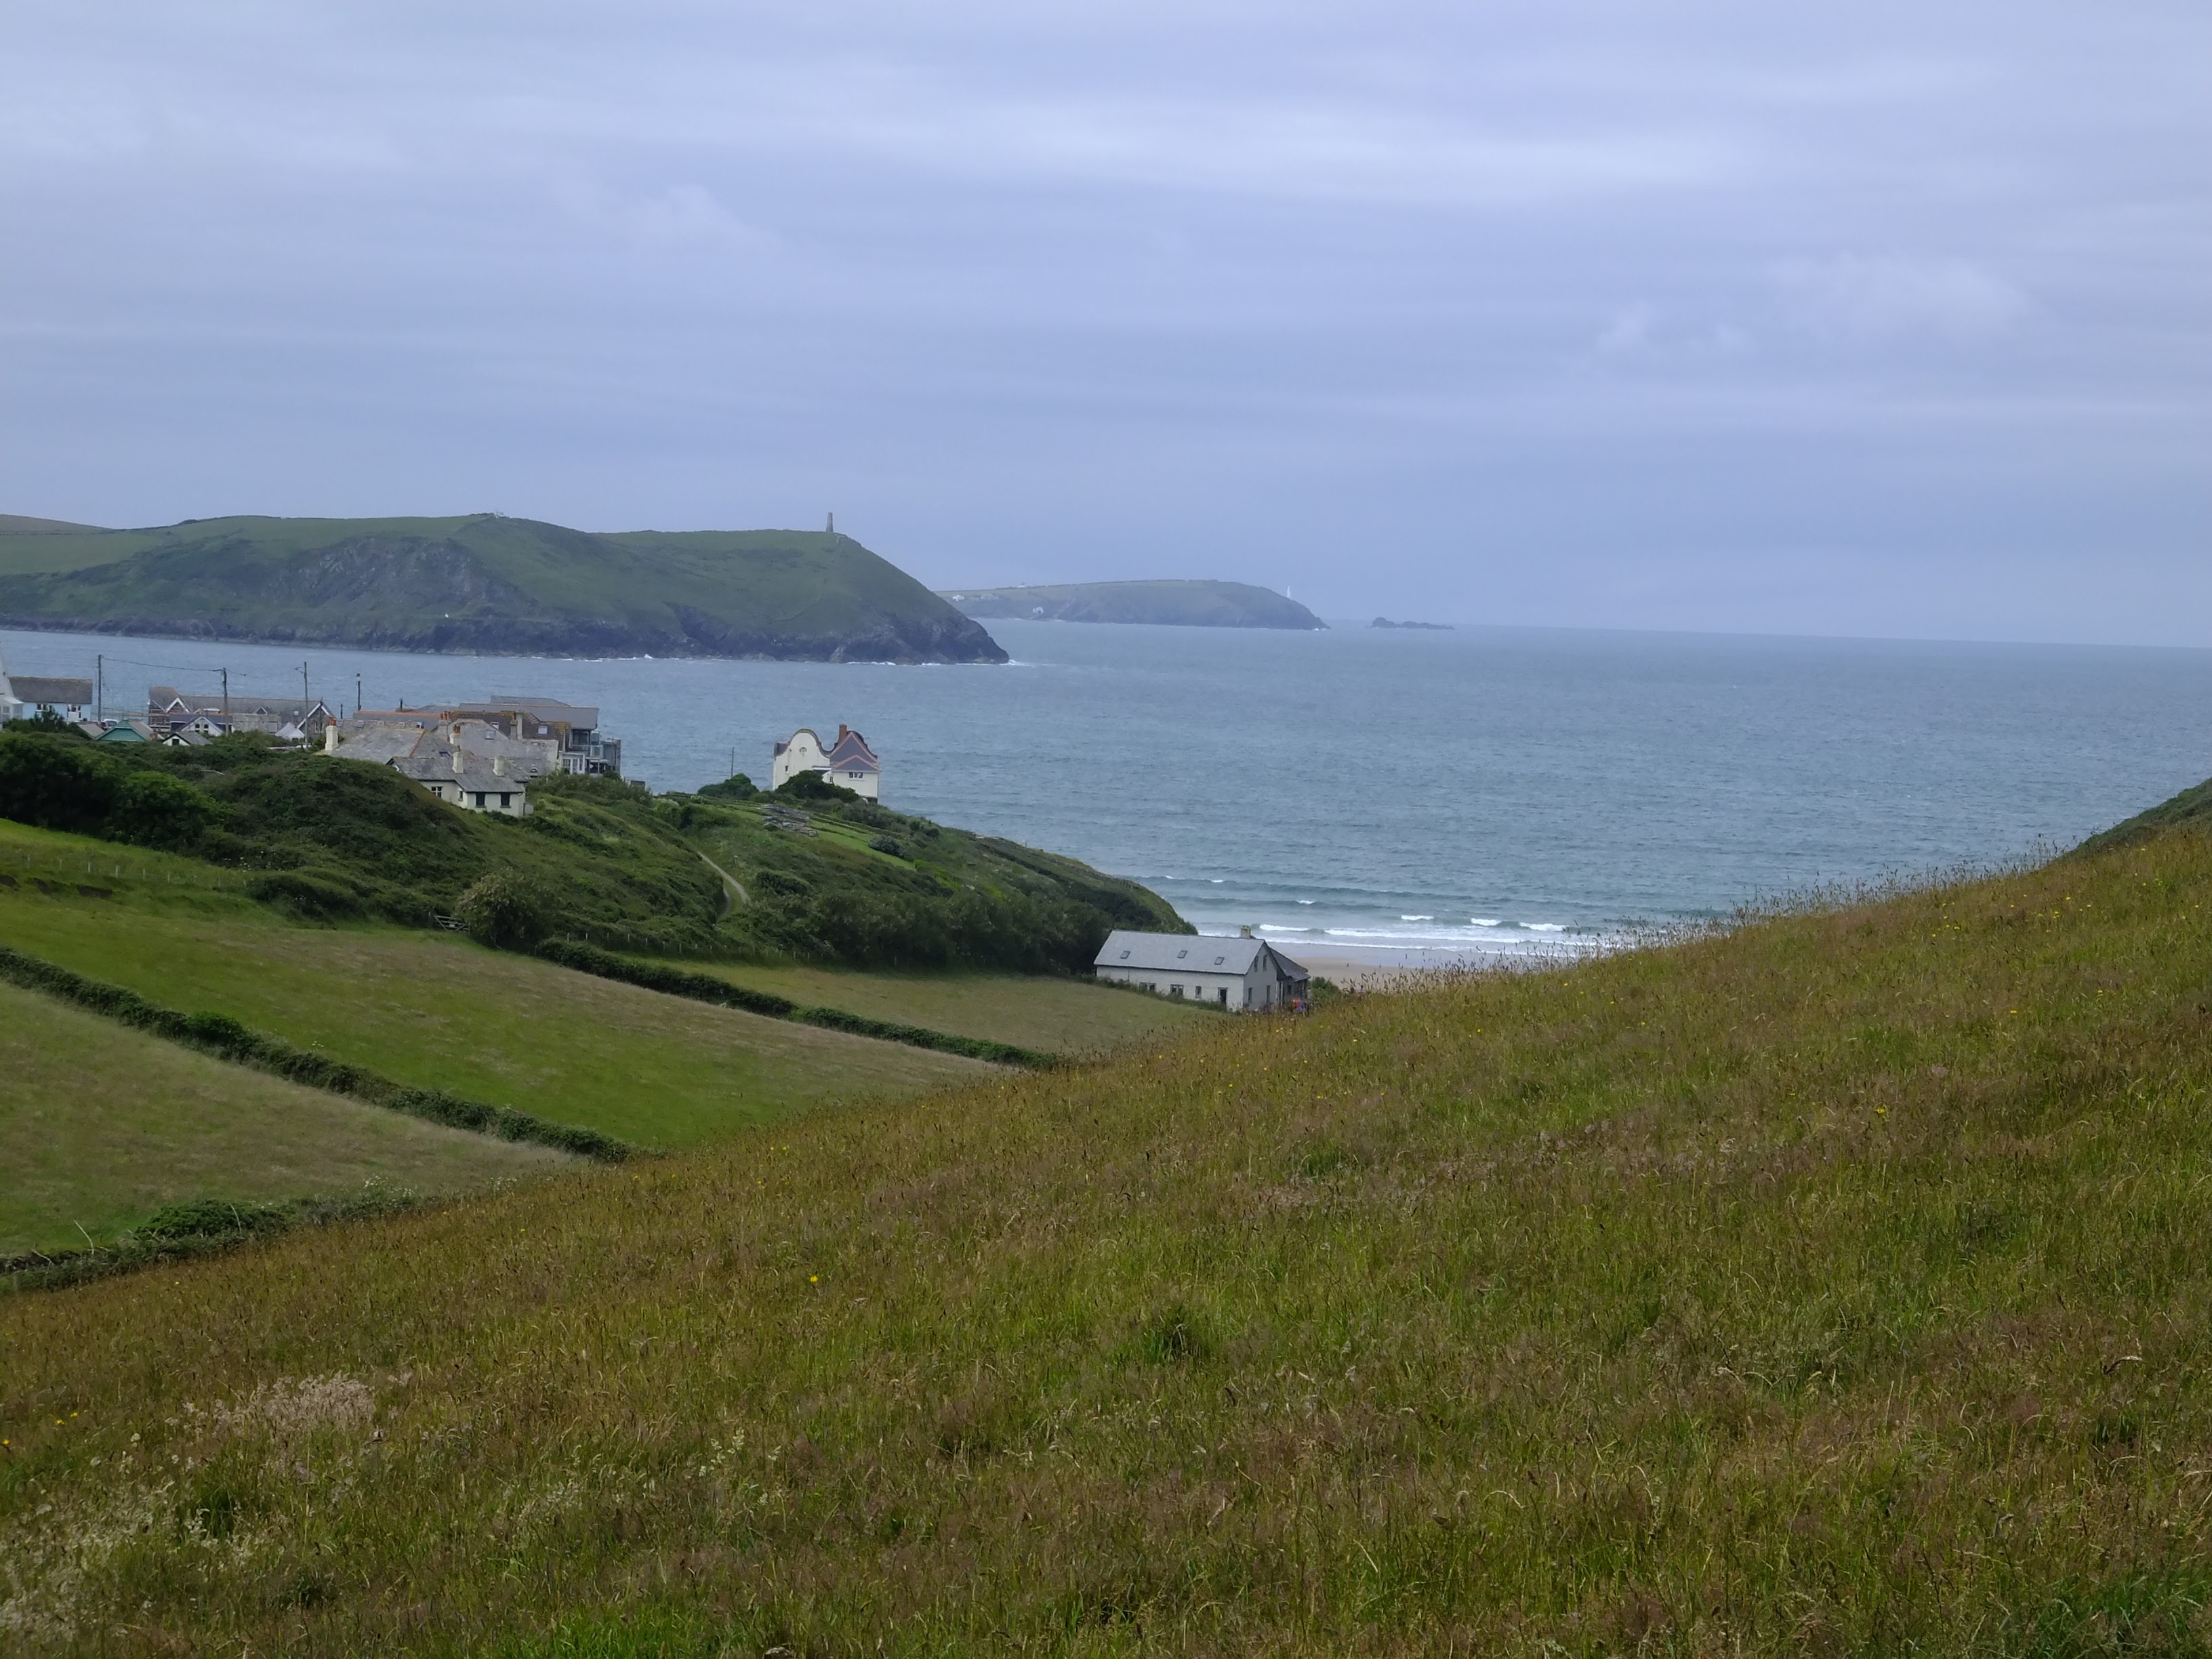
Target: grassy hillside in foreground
{"x": 434, "y": 1010}
{"x": 484, "y": 582}
{"x": 1181, "y": 604}
{"x": 1052, "y": 1016}
{"x": 1839, "y": 1284}
{"x": 100, "y": 1126}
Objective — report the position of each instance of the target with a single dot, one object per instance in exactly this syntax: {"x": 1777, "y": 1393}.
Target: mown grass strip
{"x": 227, "y": 1039}
{"x": 705, "y": 987}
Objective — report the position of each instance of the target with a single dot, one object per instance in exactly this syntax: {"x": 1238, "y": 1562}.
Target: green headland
{"x": 1179, "y": 604}
{"x": 482, "y": 583}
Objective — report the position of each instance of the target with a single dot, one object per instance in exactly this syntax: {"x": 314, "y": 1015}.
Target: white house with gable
{"x": 848, "y": 762}
{"x": 1245, "y": 975}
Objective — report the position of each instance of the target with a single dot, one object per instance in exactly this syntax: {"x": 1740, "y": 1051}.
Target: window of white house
{"x": 1175, "y": 990}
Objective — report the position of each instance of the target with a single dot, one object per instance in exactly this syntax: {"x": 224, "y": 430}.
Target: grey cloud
{"x": 1708, "y": 314}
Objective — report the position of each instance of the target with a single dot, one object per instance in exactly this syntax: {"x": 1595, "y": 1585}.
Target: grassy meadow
{"x": 1838, "y": 1284}
{"x": 1052, "y": 1015}
{"x": 440, "y": 1011}
{"x": 100, "y": 1125}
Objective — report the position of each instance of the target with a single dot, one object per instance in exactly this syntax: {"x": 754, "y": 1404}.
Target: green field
{"x": 439, "y": 1012}
{"x": 1054, "y": 1016}
{"x": 1835, "y": 1285}
{"x": 101, "y": 1125}
{"x": 485, "y": 582}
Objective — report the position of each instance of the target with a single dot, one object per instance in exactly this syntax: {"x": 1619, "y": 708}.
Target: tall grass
{"x": 1836, "y": 1283}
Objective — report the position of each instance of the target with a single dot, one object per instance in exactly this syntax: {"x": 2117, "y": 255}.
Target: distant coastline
{"x": 1175, "y": 604}
{"x": 1433, "y": 628}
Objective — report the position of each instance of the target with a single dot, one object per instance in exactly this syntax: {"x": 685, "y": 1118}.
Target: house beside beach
{"x": 848, "y": 762}
{"x": 1244, "y": 975}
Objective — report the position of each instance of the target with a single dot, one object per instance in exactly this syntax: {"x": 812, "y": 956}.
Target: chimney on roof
{"x": 456, "y": 762}
{"x": 499, "y": 764}
{"x": 841, "y": 730}
{"x": 1244, "y": 932}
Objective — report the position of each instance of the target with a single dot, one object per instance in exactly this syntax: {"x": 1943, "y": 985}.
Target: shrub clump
{"x": 503, "y": 910}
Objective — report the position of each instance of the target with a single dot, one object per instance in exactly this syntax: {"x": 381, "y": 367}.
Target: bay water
{"x": 1421, "y": 796}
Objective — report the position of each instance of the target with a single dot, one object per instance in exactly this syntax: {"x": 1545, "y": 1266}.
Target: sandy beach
{"x": 1385, "y": 968}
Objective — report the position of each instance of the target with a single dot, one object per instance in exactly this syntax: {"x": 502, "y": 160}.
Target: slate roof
{"x": 1186, "y": 953}
{"x": 853, "y": 754}
{"x": 550, "y": 710}
{"x": 43, "y": 687}
{"x": 1190, "y": 953}
{"x": 436, "y": 765}
{"x": 379, "y": 743}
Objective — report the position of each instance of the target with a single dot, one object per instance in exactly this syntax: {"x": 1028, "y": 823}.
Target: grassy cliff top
{"x": 832, "y": 879}
{"x": 485, "y": 582}
{"x": 1178, "y": 603}
{"x": 1836, "y": 1283}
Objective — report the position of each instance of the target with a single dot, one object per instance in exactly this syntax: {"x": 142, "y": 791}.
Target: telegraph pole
{"x": 225, "y": 672}
{"x": 99, "y": 687}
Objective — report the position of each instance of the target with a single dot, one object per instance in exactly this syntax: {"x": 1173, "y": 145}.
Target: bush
{"x": 45, "y": 720}
{"x": 306, "y": 893}
{"x": 503, "y": 910}
{"x": 212, "y": 1218}
{"x": 782, "y": 883}
{"x": 55, "y": 782}
{"x": 736, "y": 786}
{"x": 813, "y": 785}
{"x": 155, "y": 810}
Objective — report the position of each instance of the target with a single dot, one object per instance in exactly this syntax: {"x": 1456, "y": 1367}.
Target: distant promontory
{"x": 483, "y": 583}
{"x": 1178, "y": 604}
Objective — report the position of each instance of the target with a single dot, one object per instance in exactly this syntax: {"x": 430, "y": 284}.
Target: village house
{"x": 1244, "y": 975}
{"x": 848, "y": 762}
{"x": 473, "y": 782}
{"x": 573, "y": 729}
{"x": 294, "y": 719}
{"x": 472, "y": 764}
{"x": 25, "y": 696}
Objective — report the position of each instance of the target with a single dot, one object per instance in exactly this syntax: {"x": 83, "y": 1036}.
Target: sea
{"x": 1478, "y": 794}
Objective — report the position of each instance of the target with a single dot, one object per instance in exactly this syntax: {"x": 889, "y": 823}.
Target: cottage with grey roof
{"x": 1246, "y": 975}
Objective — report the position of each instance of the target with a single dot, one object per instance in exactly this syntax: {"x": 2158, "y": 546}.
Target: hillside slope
{"x": 832, "y": 879}
{"x": 1837, "y": 1285}
{"x": 1178, "y": 604}
{"x": 484, "y": 583}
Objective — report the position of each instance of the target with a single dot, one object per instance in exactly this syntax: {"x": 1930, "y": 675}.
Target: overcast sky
{"x": 1878, "y": 318}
